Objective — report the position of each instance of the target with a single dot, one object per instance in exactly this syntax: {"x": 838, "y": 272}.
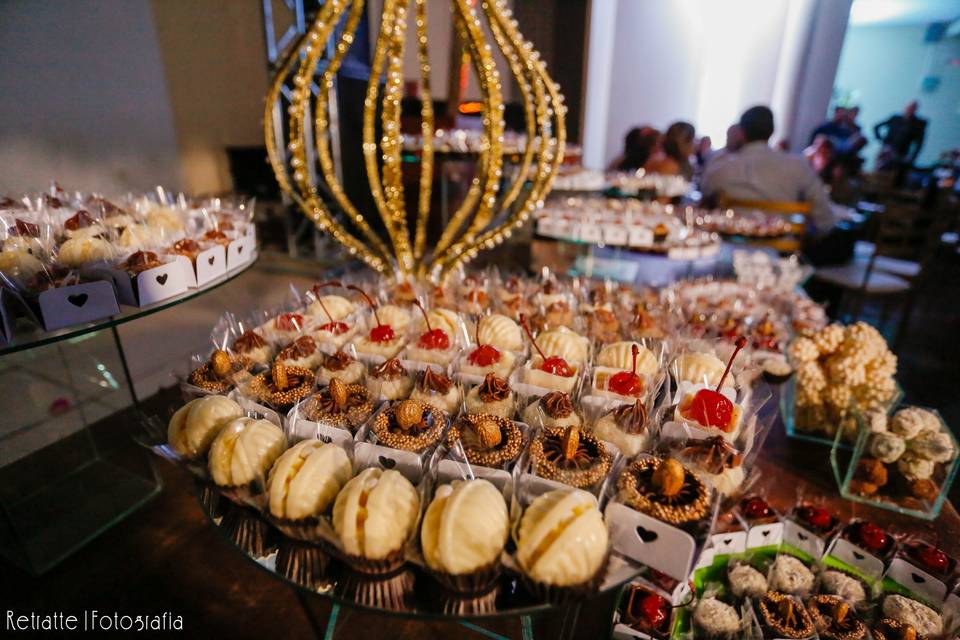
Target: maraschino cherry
{"x": 382, "y": 332}
{"x": 711, "y": 408}
{"x": 554, "y": 364}
{"x": 432, "y": 338}
{"x": 485, "y": 354}
{"x": 334, "y": 327}
{"x": 627, "y": 383}
{"x": 289, "y": 322}
{"x": 872, "y": 537}
{"x": 931, "y": 557}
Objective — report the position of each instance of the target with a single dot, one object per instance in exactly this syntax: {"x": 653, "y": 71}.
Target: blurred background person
{"x": 820, "y": 156}
{"x": 758, "y": 172}
{"x": 902, "y": 138}
{"x": 734, "y": 143}
{"x": 704, "y": 152}
{"x": 676, "y": 148}
{"x": 638, "y": 145}
{"x": 845, "y": 142}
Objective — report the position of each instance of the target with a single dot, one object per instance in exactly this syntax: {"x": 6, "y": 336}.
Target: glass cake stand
{"x": 507, "y": 612}
{"x": 63, "y": 477}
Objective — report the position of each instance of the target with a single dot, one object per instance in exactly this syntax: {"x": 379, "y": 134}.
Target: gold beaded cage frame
{"x": 489, "y": 213}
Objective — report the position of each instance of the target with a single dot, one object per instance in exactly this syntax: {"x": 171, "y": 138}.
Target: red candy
{"x": 817, "y": 517}
{"x": 873, "y": 537}
{"x": 932, "y": 558}
{"x": 756, "y": 508}
{"x": 655, "y": 610}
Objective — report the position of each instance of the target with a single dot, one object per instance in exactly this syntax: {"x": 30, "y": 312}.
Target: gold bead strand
{"x": 426, "y": 132}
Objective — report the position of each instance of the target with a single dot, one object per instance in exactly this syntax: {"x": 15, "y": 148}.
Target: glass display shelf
{"x": 65, "y": 472}
{"x": 29, "y": 336}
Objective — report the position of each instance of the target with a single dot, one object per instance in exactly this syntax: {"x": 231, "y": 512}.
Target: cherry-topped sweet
{"x": 484, "y": 355}
{"x": 627, "y": 383}
{"x": 817, "y": 517}
{"x": 289, "y": 322}
{"x": 382, "y": 332}
{"x": 432, "y": 338}
{"x": 334, "y": 327}
{"x": 655, "y": 610}
{"x": 931, "y": 557}
{"x": 872, "y": 537}
{"x": 756, "y": 508}
{"x": 554, "y": 365}
{"x": 711, "y": 408}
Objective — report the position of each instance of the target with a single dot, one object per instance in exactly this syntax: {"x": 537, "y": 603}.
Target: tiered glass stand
{"x": 64, "y": 477}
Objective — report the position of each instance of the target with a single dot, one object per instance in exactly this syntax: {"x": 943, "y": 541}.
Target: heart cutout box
{"x": 408, "y": 463}
{"x": 803, "y": 539}
{"x": 301, "y": 428}
{"x": 210, "y": 264}
{"x": 152, "y": 285}
{"x": 850, "y": 554}
{"x": 615, "y": 235}
{"x": 651, "y": 542}
{"x": 76, "y": 304}
{"x": 241, "y": 252}
{"x": 915, "y": 579}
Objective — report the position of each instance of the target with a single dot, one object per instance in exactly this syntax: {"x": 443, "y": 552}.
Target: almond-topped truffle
{"x": 283, "y": 386}
{"x": 253, "y": 346}
{"x": 221, "y": 373}
{"x": 555, "y": 409}
{"x": 626, "y": 427}
{"x": 569, "y": 456}
{"x": 785, "y": 616}
{"x": 834, "y": 619}
{"x": 487, "y": 440}
{"x": 389, "y": 381}
{"x": 664, "y": 489}
{"x": 493, "y": 396}
{"x": 340, "y": 365}
{"x": 437, "y": 389}
{"x": 346, "y": 406}
{"x": 302, "y": 352}
{"x": 409, "y": 425}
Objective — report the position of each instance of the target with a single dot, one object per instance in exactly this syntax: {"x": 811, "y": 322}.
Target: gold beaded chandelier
{"x": 487, "y": 216}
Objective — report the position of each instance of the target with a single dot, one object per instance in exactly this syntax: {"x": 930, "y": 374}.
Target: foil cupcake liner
{"x": 303, "y": 563}
{"x": 476, "y": 582}
{"x": 210, "y": 501}
{"x": 477, "y": 605}
{"x": 562, "y": 595}
{"x": 303, "y": 530}
{"x": 382, "y": 567}
{"x": 247, "y": 530}
{"x": 391, "y": 592}
{"x": 252, "y": 494}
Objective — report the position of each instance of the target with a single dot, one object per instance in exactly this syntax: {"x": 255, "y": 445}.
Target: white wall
{"x": 706, "y": 61}
{"x": 882, "y": 67}
{"x": 83, "y": 97}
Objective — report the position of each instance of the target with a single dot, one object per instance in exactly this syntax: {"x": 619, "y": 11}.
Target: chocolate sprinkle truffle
{"x": 570, "y": 456}
{"x": 487, "y": 440}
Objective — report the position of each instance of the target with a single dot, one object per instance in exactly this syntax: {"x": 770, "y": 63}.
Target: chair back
{"x": 904, "y": 231}
{"x": 796, "y": 213}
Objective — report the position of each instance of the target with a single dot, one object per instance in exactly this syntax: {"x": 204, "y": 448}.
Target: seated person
{"x": 638, "y": 145}
{"x": 758, "y": 172}
{"x": 674, "y": 157}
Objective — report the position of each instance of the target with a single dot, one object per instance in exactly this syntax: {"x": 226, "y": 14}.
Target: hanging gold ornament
{"x": 486, "y": 217}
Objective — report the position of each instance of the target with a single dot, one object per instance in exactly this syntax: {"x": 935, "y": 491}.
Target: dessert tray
{"x": 649, "y": 227}
{"x": 373, "y": 435}
{"x": 69, "y": 259}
